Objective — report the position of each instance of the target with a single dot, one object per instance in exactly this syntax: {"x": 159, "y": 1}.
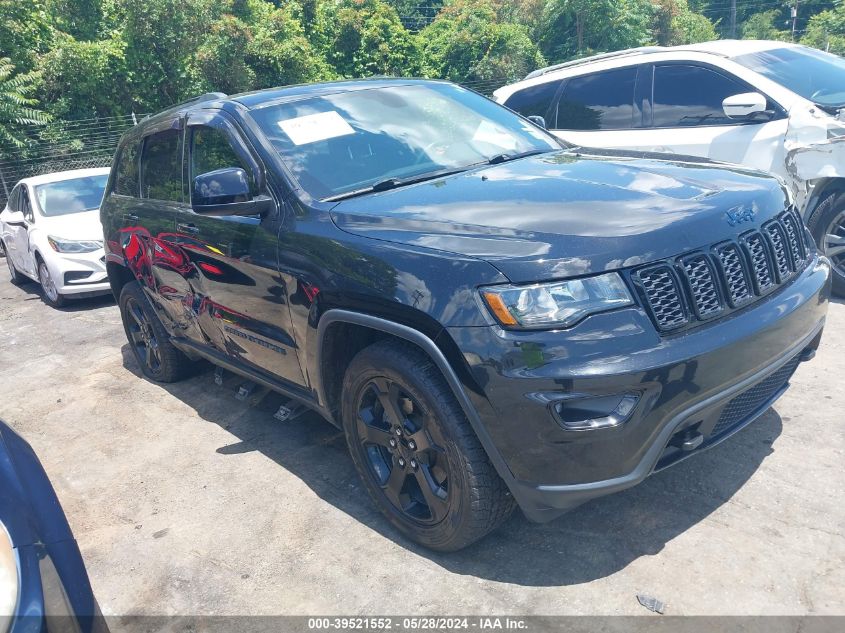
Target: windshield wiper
{"x": 502, "y": 158}
{"x": 393, "y": 183}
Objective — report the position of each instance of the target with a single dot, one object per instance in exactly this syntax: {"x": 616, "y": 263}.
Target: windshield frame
{"x": 787, "y": 56}
{"x": 36, "y": 200}
{"x": 329, "y": 198}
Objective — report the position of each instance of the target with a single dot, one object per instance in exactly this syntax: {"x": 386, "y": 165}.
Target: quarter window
{"x": 601, "y": 101}
{"x": 534, "y": 100}
{"x": 161, "y": 167}
{"x": 689, "y": 96}
{"x": 126, "y": 181}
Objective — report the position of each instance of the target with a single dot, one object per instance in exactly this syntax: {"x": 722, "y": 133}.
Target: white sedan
{"x": 52, "y": 234}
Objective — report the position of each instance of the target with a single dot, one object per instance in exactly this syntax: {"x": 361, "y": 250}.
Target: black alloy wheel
{"x": 415, "y": 450}
{"x": 142, "y": 337}
{"x": 404, "y": 450}
{"x": 150, "y": 342}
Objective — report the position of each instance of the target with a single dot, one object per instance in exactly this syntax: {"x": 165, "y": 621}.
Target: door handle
{"x": 187, "y": 228}
{"x": 130, "y": 217}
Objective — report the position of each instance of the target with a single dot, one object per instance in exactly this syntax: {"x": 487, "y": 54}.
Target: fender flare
{"x": 427, "y": 345}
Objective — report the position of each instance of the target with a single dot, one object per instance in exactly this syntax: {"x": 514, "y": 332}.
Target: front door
{"x": 238, "y": 297}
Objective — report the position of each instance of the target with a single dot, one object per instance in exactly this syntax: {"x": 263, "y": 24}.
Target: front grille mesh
{"x": 661, "y": 288}
{"x": 749, "y": 402}
{"x": 734, "y": 273}
{"x": 704, "y": 285}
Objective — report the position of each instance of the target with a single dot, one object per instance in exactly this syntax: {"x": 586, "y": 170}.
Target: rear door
{"x": 148, "y": 192}
{"x": 236, "y": 292}
{"x": 600, "y": 109}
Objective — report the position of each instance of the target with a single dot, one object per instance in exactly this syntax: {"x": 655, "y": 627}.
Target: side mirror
{"x": 744, "y": 106}
{"x": 226, "y": 192}
{"x": 537, "y": 120}
{"x": 15, "y": 218}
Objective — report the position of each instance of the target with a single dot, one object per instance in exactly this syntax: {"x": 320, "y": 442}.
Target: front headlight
{"x": 8, "y": 580}
{"x": 74, "y": 246}
{"x": 557, "y": 304}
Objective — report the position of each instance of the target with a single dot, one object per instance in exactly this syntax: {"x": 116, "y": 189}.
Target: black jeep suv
{"x": 493, "y": 319}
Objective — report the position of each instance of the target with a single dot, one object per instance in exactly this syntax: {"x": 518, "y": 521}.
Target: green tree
{"x": 826, "y": 31}
{"x": 18, "y": 107}
{"x": 761, "y": 26}
{"x": 675, "y": 23}
{"x": 573, "y": 28}
{"x": 361, "y": 38}
{"x": 85, "y": 79}
{"x": 25, "y": 31}
{"x": 80, "y": 18}
{"x": 467, "y": 43}
{"x": 219, "y": 63}
{"x": 280, "y": 53}
{"x": 161, "y": 37}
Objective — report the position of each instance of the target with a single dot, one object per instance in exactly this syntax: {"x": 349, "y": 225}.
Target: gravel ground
{"x": 187, "y": 501}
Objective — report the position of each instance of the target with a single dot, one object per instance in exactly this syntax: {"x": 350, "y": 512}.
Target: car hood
{"x": 74, "y": 226}
{"x": 570, "y": 213}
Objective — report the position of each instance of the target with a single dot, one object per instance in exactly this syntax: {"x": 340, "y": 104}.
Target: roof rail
{"x": 208, "y": 96}
{"x": 642, "y": 50}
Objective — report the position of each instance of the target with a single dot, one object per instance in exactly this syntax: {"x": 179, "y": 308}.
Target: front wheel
{"x": 150, "y": 343}
{"x": 14, "y": 276}
{"x": 827, "y": 225}
{"x": 416, "y": 452}
{"x": 49, "y": 293}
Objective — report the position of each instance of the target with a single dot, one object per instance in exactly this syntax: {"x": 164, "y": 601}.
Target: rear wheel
{"x": 827, "y": 225}
{"x": 412, "y": 445}
{"x": 49, "y": 292}
{"x": 158, "y": 357}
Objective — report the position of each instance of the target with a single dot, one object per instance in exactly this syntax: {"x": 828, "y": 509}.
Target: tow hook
{"x": 688, "y": 440}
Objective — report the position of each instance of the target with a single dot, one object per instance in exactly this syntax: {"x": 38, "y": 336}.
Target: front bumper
{"x": 711, "y": 381}
{"x": 79, "y": 273}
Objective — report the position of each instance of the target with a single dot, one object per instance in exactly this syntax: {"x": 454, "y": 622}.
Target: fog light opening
{"x": 595, "y": 412}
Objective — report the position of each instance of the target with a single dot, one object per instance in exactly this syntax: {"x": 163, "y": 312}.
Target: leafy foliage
{"x": 87, "y": 58}
{"x": 17, "y": 104}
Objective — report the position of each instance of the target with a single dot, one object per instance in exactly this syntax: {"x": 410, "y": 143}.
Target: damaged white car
{"x": 770, "y": 105}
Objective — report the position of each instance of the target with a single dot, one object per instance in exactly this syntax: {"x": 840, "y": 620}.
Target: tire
{"x": 826, "y": 225}
{"x": 14, "y": 276}
{"x": 150, "y": 343}
{"x": 49, "y": 293}
{"x": 429, "y": 474}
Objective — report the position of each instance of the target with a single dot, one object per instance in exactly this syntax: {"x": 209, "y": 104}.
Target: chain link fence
{"x": 63, "y": 145}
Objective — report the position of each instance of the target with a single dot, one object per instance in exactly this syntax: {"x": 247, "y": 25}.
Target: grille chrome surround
{"x": 704, "y": 285}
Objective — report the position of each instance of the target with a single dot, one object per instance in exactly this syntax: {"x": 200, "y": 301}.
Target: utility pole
{"x": 794, "y": 19}
{"x": 733, "y": 19}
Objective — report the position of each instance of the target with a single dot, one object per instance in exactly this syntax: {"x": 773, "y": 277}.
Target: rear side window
{"x": 601, "y": 101}
{"x": 535, "y": 100}
{"x": 161, "y": 167}
{"x": 126, "y": 179}
{"x": 689, "y": 96}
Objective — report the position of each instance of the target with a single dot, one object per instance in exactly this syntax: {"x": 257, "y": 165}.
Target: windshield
{"x": 349, "y": 141}
{"x": 71, "y": 196}
{"x": 813, "y": 74}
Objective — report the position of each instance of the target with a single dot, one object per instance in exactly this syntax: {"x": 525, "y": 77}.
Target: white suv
{"x": 769, "y": 105}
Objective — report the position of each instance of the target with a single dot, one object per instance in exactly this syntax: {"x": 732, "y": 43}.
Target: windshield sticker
{"x": 316, "y": 127}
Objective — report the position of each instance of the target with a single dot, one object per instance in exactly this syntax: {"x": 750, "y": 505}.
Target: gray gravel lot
{"x": 187, "y": 501}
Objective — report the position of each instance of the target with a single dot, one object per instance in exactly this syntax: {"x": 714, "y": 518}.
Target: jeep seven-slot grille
{"x": 703, "y": 285}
